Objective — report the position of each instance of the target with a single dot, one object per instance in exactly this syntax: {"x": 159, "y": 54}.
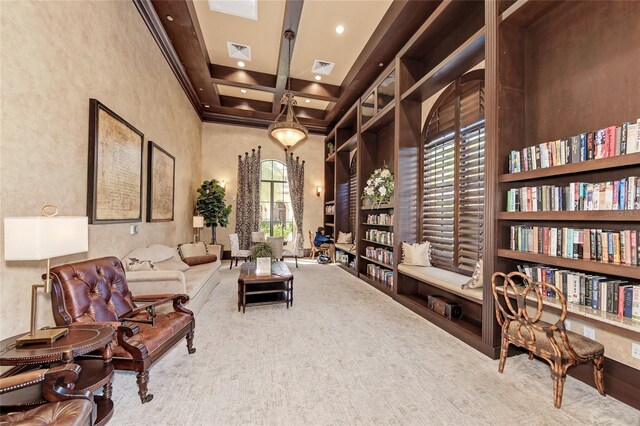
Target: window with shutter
{"x": 353, "y": 194}
{"x": 453, "y": 177}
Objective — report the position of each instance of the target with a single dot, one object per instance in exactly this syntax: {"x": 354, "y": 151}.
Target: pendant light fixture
{"x": 288, "y": 131}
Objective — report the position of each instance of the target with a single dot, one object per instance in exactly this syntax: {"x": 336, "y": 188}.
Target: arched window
{"x": 453, "y": 175}
{"x": 275, "y": 200}
{"x": 353, "y": 192}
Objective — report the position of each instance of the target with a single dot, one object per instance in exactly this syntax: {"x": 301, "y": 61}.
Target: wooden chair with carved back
{"x": 562, "y": 349}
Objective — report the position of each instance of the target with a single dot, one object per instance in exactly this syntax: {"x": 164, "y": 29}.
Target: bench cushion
{"x": 349, "y": 248}
{"x": 447, "y": 280}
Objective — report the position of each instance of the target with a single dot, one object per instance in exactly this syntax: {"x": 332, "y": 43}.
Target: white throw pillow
{"x": 134, "y": 264}
{"x": 344, "y": 237}
{"x": 417, "y": 254}
{"x": 172, "y": 264}
{"x": 154, "y": 253}
{"x": 476, "y": 278}
{"x": 192, "y": 249}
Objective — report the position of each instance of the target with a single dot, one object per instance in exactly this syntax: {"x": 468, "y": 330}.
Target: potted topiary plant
{"x": 211, "y": 206}
{"x": 263, "y": 255}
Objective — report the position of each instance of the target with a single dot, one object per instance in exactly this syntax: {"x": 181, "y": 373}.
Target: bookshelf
{"x": 527, "y": 101}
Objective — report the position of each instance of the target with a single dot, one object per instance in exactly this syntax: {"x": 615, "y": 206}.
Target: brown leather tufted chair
{"x": 65, "y": 408}
{"x": 96, "y": 290}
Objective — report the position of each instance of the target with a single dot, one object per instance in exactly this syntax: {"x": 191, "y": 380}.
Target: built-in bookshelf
{"x": 527, "y": 103}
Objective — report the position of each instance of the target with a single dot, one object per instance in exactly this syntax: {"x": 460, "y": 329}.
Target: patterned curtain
{"x": 248, "y": 197}
{"x": 295, "y": 173}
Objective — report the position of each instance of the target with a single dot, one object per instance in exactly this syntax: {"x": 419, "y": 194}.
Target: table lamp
{"x": 198, "y": 224}
{"x": 257, "y": 237}
{"x": 39, "y": 238}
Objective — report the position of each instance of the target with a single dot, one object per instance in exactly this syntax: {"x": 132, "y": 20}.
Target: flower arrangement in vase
{"x": 379, "y": 187}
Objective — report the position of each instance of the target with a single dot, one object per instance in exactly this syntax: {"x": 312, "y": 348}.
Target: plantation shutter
{"x": 453, "y": 197}
{"x": 353, "y": 194}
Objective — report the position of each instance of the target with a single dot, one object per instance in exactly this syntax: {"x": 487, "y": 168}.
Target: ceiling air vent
{"x": 322, "y": 67}
{"x": 239, "y": 51}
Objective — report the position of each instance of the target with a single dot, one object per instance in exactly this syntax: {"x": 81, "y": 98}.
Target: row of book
{"x": 617, "y": 297}
{"x": 330, "y": 209}
{"x": 603, "y": 143}
{"x": 382, "y": 237}
{"x": 381, "y": 255}
{"x": 382, "y": 274}
{"x": 380, "y": 219}
{"x": 617, "y": 247}
{"x": 342, "y": 257}
{"x": 623, "y": 194}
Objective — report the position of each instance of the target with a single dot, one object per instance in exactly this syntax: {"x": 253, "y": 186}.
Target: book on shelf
{"x": 605, "y": 246}
{"x": 623, "y": 194}
{"x": 381, "y": 274}
{"x": 618, "y": 297}
{"x": 378, "y": 236}
{"x": 379, "y": 254}
{"x": 380, "y": 219}
{"x": 603, "y": 143}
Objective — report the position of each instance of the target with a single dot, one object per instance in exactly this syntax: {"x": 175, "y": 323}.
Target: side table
{"x": 80, "y": 340}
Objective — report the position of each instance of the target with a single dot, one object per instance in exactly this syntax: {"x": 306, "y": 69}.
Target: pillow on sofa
{"x": 192, "y": 249}
{"x": 154, "y": 253}
{"x": 476, "y": 278}
{"x": 417, "y": 254}
{"x": 199, "y": 260}
{"x": 172, "y": 264}
{"x": 134, "y": 264}
{"x": 344, "y": 237}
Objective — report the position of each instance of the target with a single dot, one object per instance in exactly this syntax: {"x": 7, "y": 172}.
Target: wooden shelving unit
{"x": 376, "y": 242}
{"x": 578, "y": 216}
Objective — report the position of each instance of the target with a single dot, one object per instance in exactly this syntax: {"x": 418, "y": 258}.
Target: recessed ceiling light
{"x": 318, "y": 78}
{"x": 201, "y": 89}
{"x": 307, "y": 101}
{"x": 169, "y": 18}
{"x": 241, "y": 64}
{"x": 206, "y": 106}
{"x": 339, "y": 29}
{"x": 243, "y": 90}
{"x": 381, "y": 64}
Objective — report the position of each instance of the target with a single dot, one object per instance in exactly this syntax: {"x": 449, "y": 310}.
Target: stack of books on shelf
{"x": 380, "y": 219}
{"x": 617, "y": 297}
{"x": 381, "y": 255}
{"x": 342, "y": 257}
{"x": 330, "y": 209}
{"x": 382, "y": 274}
{"x": 623, "y": 194}
{"x": 383, "y": 237}
{"x": 618, "y": 247}
{"x": 603, "y": 143}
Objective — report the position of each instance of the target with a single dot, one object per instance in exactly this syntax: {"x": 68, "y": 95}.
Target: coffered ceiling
{"x": 194, "y": 35}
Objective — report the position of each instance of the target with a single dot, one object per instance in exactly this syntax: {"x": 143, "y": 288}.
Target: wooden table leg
{"x": 244, "y": 297}
{"x": 291, "y": 290}
{"x": 239, "y": 295}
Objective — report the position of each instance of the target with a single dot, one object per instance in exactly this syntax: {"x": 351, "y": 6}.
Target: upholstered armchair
{"x": 562, "y": 349}
{"x": 293, "y": 251}
{"x": 20, "y": 397}
{"x": 236, "y": 253}
{"x": 96, "y": 290}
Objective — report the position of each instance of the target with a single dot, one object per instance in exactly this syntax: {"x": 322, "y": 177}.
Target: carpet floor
{"x": 344, "y": 354}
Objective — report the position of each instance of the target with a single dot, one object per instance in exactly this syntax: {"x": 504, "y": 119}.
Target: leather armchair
{"x": 65, "y": 407}
{"x": 96, "y": 290}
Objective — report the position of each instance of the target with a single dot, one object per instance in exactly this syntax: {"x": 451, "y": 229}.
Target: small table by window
{"x": 254, "y": 289}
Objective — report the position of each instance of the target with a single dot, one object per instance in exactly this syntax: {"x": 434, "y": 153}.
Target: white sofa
{"x": 196, "y": 281}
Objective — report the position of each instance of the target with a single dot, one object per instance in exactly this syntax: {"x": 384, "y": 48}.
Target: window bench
{"x": 449, "y": 281}
{"x": 349, "y": 248}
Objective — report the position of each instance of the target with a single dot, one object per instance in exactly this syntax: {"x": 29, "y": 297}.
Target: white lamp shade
{"x": 288, "y": 136}
{"x": 257, "y": 237}
{"x": 198, "y": 222}
{"x": 41, "y": 237}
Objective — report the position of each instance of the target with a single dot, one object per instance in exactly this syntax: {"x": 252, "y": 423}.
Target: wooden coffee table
{"x": 254, "y": 289}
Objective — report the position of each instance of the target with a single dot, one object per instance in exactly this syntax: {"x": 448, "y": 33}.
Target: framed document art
{"x": 161, "y": 184}
{"x": 114, "y": 192}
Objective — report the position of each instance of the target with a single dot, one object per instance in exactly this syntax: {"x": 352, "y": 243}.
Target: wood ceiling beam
{"x": 400, "y": 22}
{"x": 292, "y": 13}
{"x": 264, "y": 106}
{"x": 221, "y": 114}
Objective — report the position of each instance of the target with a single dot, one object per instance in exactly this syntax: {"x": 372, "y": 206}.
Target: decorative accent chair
{"x": 236, "y": 253}
{"x": 22, "y": 393}
{"x": 257, "y": 237}
{"x": 293, "y": 252}
{"x": 278, "y": 246}
{"x": 562, "y": 349}
{"x": 96, "y": 290}
{"x": 316, "y": 249}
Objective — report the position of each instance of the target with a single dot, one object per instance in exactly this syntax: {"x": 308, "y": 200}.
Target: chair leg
{"x": 530, "y": 355}
{"x": 236, "y": 261}
{"x": 504, "y": 350}
{"x": 598, "y": 374}
{"x": 558, "y": 376}
{"x": 190, "y": 347}
{"x": 296, "y": 261}
{"x": 231, "y": 263}
{"x": 142, "y": 378}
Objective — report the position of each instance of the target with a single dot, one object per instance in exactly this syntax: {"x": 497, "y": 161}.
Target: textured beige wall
{"x": 54, "y": 57}
{"x": 221, "y": 145}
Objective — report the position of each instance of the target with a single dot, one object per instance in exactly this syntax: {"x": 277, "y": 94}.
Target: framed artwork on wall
{"x": 160, "y": 184}
{"x": 114, "y": 193}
